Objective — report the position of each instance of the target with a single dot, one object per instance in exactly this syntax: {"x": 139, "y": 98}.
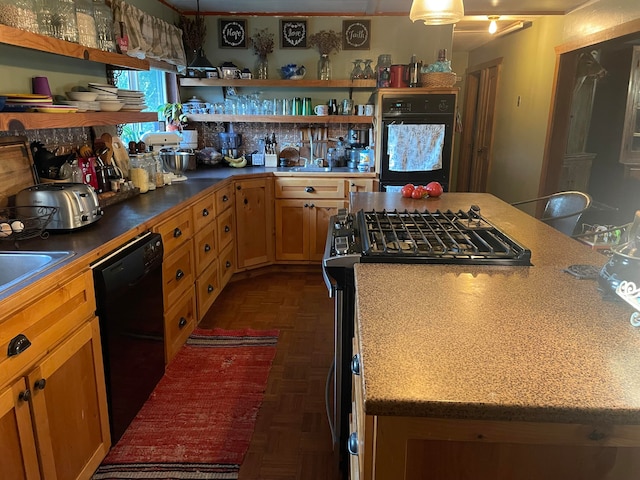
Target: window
{"x": 153, "y": 84}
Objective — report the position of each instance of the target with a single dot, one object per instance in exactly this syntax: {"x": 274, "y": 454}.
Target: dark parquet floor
{"x": 291, "y": 440}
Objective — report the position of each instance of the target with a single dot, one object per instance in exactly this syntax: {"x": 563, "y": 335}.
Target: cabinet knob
{"x": 355, "y": 365}
{"x": 177, "y": 232}
{"x": 353, "y": 184}
{"x": 210, "y": 289}
{"x": 179, "y": 274}
{"x": 25, "y": 395}
{"x": 309, "y": 189}
{"x": 246, "y": 201}
{"x": 228, "y": 264}
{"x": 225, "y": 198}
{"x": 18, "y": 344}
{"x": 182, "y": 322}
{"x": 352, "y": 444}
{"x": 239, "y": 187}
{"x": 40, "y": 384}
{"x": 207, "y": 247}
{"x": 306, "y": 205}
{"x": 312, "y": 205}
{"x": 227, "y": 229}
{"x": 205, "y": 212}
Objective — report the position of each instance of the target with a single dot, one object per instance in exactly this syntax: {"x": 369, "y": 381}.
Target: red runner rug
{"x": 198, "y": 422}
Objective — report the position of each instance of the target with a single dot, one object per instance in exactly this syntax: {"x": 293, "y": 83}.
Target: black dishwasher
{"x": 128, "y": 284}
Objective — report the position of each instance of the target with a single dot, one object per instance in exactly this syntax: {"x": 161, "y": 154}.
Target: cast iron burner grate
{"x": 436, "y": 237}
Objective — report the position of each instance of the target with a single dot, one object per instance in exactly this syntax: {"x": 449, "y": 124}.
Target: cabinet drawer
{"x": 177, "y": 275}
{"x": 45, "y": 323}
{"x": 179, "y": 322}
{"x": 310, "y": 188}
{"x": 204, "y": 212}
{"x": 224, "y": 198}
{"x": 226, "y": 229}
{"x": 354, "y": 185}
{"x": 205, "y": 242}
{"x": 207, "y": 289}
{"x": 227, "y": 264}
{"x": 176, "y": 230}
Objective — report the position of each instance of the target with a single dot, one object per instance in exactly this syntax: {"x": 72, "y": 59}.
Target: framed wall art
{"x": 293, "y": 34}
{"x": 232, "y": 33}
{"x": 356, "y": 34}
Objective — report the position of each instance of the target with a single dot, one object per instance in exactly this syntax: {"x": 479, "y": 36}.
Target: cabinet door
{"x": 19, "y": 460}
{"x": 292, "y": 229}
{"x": 356, "y": 185}
{"x": 320, "y": 212}
{"x": 179, "y": 322}
{"x": 254, "y": 222}
{"x": 69, "y": 407}
{"x": 631, "y": 136}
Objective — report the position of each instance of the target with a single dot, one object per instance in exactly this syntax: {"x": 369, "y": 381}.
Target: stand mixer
{"x": 167, "y": 145}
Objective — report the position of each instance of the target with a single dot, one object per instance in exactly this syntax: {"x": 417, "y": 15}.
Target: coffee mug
{"x": 321, "y": 109}
{"x": 347, "y": 107}
{"x": 359, "y": 109}
{"x": 368, "y": 109}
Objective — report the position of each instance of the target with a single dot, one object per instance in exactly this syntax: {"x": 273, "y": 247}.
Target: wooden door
{"x": 254, "y": 222}
{"x": 320, "y": 212}
{"x": 478, "y": 125}
{"x": 292, "y": 229}
{"x": 19, "y": 460}
{"x": 69, "y": 407}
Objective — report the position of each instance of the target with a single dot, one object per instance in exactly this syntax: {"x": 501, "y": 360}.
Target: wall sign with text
{"x": 232, "y": 33}
{"x": 293, "y": 34}
{"x": 356, "y": 34}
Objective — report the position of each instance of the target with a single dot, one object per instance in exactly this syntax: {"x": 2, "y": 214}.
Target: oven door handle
{"x": 331, "y": 284}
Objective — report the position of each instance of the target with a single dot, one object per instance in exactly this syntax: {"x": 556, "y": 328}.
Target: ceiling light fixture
{"x": 493, "y": 26}
{"x": 437, "y": 12}
{"x": 200, "y": 62}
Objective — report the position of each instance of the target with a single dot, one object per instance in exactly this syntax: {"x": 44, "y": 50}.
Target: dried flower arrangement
{"x": 326, "y": 42}
{"x": 193, "y": 32}
{"x": 262, "y": 42}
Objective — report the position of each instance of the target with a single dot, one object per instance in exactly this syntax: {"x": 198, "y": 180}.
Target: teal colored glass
{"x": 307, "y": 108}
{"x": 296, "y": 108}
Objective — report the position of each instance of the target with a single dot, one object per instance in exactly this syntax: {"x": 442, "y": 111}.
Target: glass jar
{"x": 262, "y": 68}
{"x": 57, "y": 18}
{"x": 87, "y": 34}
{"x": 104, "y": 26}
{"x": 324, "y": 67}
{"x": 19, "y": 14}
{"x": 383, "y": 71}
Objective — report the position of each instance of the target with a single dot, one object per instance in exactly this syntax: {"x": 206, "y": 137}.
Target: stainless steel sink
{"x": 310, "y": 169}
{"x": 19, "y": 266}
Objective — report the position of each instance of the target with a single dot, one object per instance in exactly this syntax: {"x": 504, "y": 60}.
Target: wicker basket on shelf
{"x": 438, "y": 79}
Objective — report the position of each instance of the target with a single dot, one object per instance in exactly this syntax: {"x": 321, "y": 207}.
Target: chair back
{"x": 564, "y": 210}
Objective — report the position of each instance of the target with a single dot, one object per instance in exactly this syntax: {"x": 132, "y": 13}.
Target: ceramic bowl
{"x": 111, "y": 106}
{"x": 82, "y": 96}
{"x": 292, "y": 71}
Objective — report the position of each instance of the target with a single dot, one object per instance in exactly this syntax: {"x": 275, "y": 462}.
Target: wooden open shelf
{"x": 315, "y": 119}
{"x": 216, "y": 82}
{"x": 31, "y": 121}
{"x": 34, "y": 41}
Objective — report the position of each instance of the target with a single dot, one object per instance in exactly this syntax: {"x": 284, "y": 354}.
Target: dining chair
{"x": 562, "y": 210}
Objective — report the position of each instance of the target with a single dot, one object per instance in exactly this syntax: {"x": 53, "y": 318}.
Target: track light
{"x": 493, "y": 26}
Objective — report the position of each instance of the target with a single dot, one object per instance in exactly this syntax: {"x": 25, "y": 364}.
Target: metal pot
{"x": 358, "y": 137}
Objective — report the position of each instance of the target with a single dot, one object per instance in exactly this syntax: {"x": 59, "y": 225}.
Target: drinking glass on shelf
{"x": 357, "y": 69}
{"x": 368, "y": 71}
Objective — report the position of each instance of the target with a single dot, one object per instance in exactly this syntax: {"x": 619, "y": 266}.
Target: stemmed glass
{"x": 357, "y": 69}
{"x": 368, "y": 71}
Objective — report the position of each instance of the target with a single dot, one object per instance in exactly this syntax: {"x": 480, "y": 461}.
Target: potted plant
{"x": 175, "y": 118}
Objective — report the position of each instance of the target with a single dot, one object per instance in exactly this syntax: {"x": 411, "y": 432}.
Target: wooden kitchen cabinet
{"x": 254, "y": 222}
{"x": 179, "y": 321}
{"x": 65, "y": 396}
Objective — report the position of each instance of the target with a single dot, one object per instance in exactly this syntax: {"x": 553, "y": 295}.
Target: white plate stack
{"x": 107, "y": 96}
{"x": 133, "y": 100}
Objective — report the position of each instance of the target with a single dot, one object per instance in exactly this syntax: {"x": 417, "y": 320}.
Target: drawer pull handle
{"x": 312, "y": 205}
{"x": 179, "y": 274}
{"x": 352, "y": 444}
{"x": 205, "y": 212}
{"x": 228, "y": 264}
{"x": 306, "y": 205}
{"x": 40, "y": 384}
{"x": 353, "y": 184}
{"x": 207, "y": 247}
{"x": 309, "y": 189}
{"x": 17, "y": 345}
{"x": 177, "y": 232}
{"x": 182, "y": 323}
{"x": 246, "y": 201}
{"x": 227, "y": 229}
{"x": 355, "y": 365}
{"x": 225, "y": 198}
{"x": 210, "y": 289}
{"x": 25, "y": 396}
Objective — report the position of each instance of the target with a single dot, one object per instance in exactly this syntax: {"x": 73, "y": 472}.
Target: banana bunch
{"x": 236, "y": 162}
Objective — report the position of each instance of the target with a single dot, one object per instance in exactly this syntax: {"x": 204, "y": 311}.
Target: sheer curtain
{"x": 150, "y": 37}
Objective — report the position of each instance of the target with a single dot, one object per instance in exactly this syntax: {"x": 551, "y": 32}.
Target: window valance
{"x": 150, "y": 37}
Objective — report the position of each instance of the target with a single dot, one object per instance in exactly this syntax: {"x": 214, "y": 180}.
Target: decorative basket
{"x": 22, "y": 222}
{"x": 438, "y": 79}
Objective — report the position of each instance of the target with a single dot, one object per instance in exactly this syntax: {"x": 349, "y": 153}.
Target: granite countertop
{"x": 495, "y": 343}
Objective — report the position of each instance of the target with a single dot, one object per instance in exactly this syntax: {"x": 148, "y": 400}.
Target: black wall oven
{"x": 417, "y": 138}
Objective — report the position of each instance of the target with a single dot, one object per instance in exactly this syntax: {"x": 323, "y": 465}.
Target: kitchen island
{"x": 493, "y": 372}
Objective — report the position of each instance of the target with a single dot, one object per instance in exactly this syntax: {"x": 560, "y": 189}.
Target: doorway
{"x": 478, "y": 123}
